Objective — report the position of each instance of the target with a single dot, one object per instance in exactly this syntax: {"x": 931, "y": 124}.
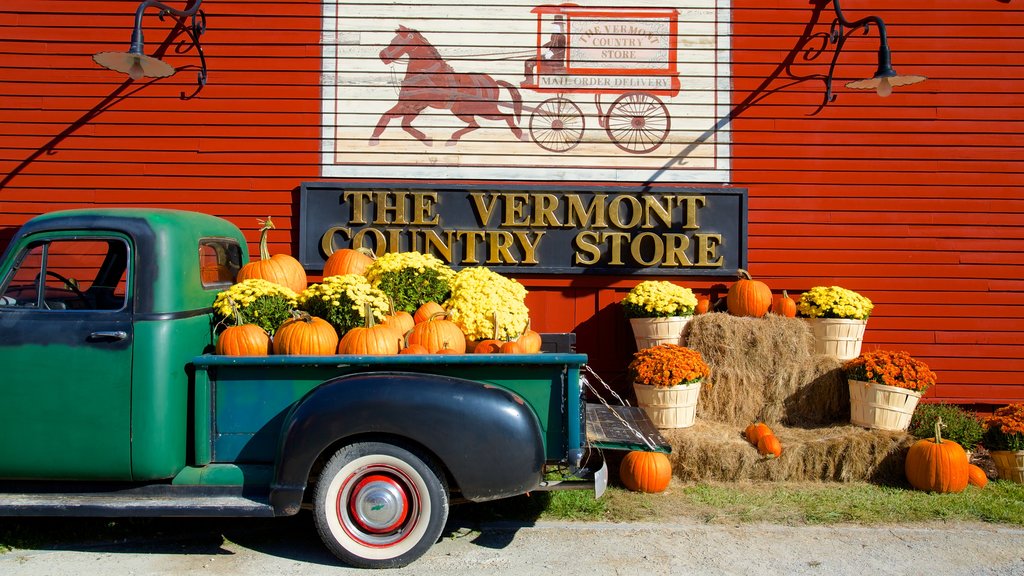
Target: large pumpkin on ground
{"x": 280, "y": 268}
{"x": 645, "y": 471}
{"x": 937, "y": 465}
{"x": 748, "y": 297}
{"x": 306, "y": 335}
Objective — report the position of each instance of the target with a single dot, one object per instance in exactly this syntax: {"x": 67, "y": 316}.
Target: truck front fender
{"x": 487, "y": 438}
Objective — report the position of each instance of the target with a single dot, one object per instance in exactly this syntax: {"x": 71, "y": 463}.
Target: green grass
{"x": 782, "y": 503}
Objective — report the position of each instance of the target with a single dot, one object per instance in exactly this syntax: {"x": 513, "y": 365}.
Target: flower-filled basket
{"x": 667, "y": 380}
{"x": 885, "y": 388}
{"x": 837, "y": 317}
{"x": 1004, "y": 439}
{"x": 658, "y": 311}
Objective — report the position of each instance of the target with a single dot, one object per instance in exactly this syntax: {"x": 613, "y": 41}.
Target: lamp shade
{"x": 134, "y": 64}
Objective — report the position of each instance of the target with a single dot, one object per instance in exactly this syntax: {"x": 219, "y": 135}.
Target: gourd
{"x": 370, "y": 339}
{"x": 645, "y": 471}
{"x": 305, "y": 335}
{"x": 769, "y": 445}
{"x": 491, "y": 345}
{"x": 438, "y": 333}
{"x": 280, "y": 269}
{"x": 976, "y": 476}
{"x": 937, "y": 465}
{"x": 785, "y": 306}
{"x": 529, "y": 341}
{"x": 748, "y": 297}
{"x": 347, "y": 261}
{"x": 242, "y": 339}
{"x": 426, "y": 311}
{"x": 755, "y": 431}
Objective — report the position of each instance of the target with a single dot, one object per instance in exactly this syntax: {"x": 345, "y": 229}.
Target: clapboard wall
{"x": 914, "y": 200}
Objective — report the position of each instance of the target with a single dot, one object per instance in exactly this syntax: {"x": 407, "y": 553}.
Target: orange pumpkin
{"x": 755, "y": 431}
{"x": 748, "y": 297}
{"x": 305, "y": 335}
{"x": 280, "y": 268}
{"x": 243, "y": 340}
{"x": 347, "y": 261}
{"x": 438, "y": 333}
{"x": 785, "y": 306}
{"x": 511, "y": 347}
{"x": 703, "y": 305}
{"x": 645, "y": 471}
{"x": 530, "y": 341}
{"x": 937, "y": 465}
{"x": 370, "y": 339}
{"x": 400, "y": 321}
{"x": 446, "y": 349}
{"x": 491, "y": 345}
{"x": 426, "y": 311}
{"x": 976, "y": 476}
{"x": 415, "y": 349}
{"x": 769, "y": 445}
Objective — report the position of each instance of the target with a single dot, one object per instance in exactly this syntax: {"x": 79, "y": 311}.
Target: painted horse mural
{"x": 430, "y": 82}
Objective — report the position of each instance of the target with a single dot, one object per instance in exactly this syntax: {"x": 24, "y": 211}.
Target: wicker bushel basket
{"x": 881, "y": 407}
{"x": 674, "y": 407}
{"x": 839, "y": 337}
{"x": 650, "y": 332}
{"x": 1009, "y": 464}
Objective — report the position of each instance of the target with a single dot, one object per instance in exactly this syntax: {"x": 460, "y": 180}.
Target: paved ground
{"x": 290, "y": 546}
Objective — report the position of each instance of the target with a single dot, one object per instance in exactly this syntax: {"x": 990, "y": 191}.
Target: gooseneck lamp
{"x": 136, "y": 64}
{"x": 885, "y": 77}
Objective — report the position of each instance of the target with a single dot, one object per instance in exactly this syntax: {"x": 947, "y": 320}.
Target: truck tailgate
{"x": 623, "y": 428}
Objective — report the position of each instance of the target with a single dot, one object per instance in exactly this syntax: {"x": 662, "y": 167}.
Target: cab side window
{"x": 219, "y": 262}
{"x": 70, "y": 274}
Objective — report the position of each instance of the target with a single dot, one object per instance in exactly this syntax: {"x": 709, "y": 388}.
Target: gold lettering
{"x": 614, "y": 240}
{"x": 327, "y": 240}
{"x": 359, "y": 200}
{"x": 663, "y": 212}
{"x": 690, "y": 212}
{"x": 529, "y": 248}
{"x": 515, "y": 207}
{"x": 544, "y": 206}
{"x": 383, "y": 208}
{"x": 379, "y": 243}
{"x": 424, "y": 213}
{"x": 675, "y": 250}
{"x": 707, "y": 250}
{"x": 483, "y": 209}
{"x": 432, "y": 243}
{"x": 469, "y": 239}
{"x": 636, "y": 245}
{"x": 498, "y": 244}
{"x": 586, "y": 242}
{"x": 614, "y": 212}
{"x": 592, "y": 216}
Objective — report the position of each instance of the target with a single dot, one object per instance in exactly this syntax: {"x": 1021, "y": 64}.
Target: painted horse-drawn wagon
{"x": 625, "y": 52}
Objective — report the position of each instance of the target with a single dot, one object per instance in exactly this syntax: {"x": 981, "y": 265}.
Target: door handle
{"x": 109, "y": 335}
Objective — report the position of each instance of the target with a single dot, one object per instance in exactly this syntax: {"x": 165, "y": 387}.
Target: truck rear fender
{"x": 487, "y": 438}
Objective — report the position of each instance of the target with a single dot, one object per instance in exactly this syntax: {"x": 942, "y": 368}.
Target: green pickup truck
{"x": 113, "y": 404}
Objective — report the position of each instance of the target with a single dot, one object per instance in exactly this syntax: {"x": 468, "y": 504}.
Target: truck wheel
{"x": 379, "y": 505}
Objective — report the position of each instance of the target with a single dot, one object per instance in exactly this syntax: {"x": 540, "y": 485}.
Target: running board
{"x": 597, "y": 483}
{"x": 135, "y": 502}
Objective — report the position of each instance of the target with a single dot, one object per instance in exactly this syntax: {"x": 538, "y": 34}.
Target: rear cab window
{"x": 219, "y": 262}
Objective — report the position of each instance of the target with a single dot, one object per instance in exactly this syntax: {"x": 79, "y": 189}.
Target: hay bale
{"x": 765, "y": 369}
{"x": 717, "y": 451}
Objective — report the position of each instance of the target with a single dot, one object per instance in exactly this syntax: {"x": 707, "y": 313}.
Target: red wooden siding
{"x": 914, "y": 200}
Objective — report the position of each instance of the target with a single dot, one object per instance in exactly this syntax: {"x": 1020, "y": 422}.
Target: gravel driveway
{"x": 290, "y": 546}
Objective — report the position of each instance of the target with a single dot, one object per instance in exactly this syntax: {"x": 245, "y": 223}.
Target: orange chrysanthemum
{"x": 898, "y": 369}
{"x": 667, "y": 365}
{"x": 1005, "y": 428}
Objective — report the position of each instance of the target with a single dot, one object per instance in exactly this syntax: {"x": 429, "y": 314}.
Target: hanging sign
{"x": 535, "y": 229}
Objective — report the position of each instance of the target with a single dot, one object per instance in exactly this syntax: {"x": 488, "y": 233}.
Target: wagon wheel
{"x": 557, "y": 125}
{"x": 638, "y": 122}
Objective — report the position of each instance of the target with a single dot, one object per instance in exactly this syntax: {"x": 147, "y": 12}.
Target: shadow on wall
{"x": 127, "y": 89}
